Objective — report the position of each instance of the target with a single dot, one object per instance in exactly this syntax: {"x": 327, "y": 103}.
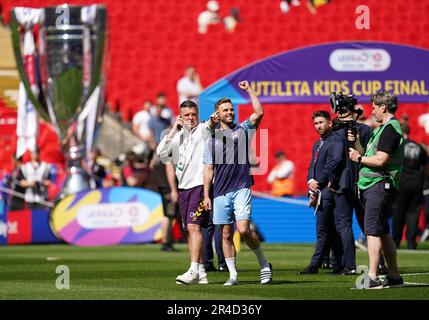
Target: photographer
{"x": 35, "y": 177}
{"x": 348, "y": 133}
{"x": 354, "y": 135}
{"x": 380, "y": 167}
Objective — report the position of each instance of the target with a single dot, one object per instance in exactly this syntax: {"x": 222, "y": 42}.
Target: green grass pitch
{"x": 144, "y": 272}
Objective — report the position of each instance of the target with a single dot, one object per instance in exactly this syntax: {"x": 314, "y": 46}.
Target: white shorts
{"x": 233, "y": 206}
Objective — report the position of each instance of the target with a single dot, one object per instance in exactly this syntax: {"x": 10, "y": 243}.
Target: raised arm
{"x": 165, "y": 147}
{"x": 258, "y": 110}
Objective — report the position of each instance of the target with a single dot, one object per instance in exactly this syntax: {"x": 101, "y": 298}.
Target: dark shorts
{"x": 192, "y": 207}
{"x": 378, "y": 208}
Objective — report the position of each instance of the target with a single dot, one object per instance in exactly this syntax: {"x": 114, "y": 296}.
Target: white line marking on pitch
{"x": 413, "y": 251}
{"x": 414, "y": 274}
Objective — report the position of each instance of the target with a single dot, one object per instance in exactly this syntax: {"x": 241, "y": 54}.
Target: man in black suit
{"x": 321, "y": 170}
{"x": 344, "y": 184}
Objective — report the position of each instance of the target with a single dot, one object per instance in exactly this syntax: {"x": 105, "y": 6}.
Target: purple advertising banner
{"x": 309, "y": 75}
{"x": 109, "y": 216}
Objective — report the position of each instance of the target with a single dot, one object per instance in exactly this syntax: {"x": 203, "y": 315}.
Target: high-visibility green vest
{"x": 368, "y": 176}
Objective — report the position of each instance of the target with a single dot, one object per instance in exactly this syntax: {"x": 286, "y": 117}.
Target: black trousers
{"x": 325, "y": 232}
{"x": 343, "y": 219}
{"x": 406, "y": 211}
{"x": 208, "y": 233}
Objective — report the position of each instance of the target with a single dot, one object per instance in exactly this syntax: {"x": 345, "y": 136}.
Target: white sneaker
{"x": 267, "y": 274}
{"x": 231, "y": 282}
{"x": 190, "y": 276}
{"x": 202, "y": 278}
{"x": 425, "y": 235}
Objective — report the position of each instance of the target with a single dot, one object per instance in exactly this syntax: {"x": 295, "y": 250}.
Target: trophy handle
{"x": 14, "y": 26}
{"x": 100, "y": 50}
{"x": 100, "y": 60}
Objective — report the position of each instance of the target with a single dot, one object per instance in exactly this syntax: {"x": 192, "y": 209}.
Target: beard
{"x": 228, "y": 120}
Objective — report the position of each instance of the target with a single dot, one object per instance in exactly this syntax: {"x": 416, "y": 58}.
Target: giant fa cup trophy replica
{"x": 59, "y": 52}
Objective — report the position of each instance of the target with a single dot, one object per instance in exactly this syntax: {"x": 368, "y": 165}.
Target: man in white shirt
{"x": 36, "y": 178}
{"x": 141, "y": 121}
{"x": 189, "y": 86}
{"x": 209, "y": 16}
{"x": 184, "y": 146}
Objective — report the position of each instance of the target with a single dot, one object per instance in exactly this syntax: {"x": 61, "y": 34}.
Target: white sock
{"x": 261, "y": 258}
{"x": 194, "y": 266}
{"x": 230, "y": 262}
{"x": 201, "y": 268}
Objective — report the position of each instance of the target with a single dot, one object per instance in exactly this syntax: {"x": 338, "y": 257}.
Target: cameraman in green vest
{"x": 378, "y": 183}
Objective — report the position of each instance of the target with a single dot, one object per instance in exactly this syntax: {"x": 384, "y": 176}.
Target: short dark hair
{"x": 280, "y": 154}
{"x": 321, "y": 113}
{"x": 188, "y": 104}
{"x": 386, "y": 98}
{"x": 223, "y": 100}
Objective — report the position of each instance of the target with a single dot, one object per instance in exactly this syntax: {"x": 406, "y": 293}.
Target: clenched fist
{"x": 244, "y": 85}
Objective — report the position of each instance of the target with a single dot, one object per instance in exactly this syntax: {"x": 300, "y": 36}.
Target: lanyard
{"x": 184, "y": 150}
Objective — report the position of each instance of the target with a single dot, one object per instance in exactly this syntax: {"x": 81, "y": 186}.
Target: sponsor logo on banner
{"x": 358, "y": 60}
{"x": 109, "y": 216}
{"x": 113, "y": 215}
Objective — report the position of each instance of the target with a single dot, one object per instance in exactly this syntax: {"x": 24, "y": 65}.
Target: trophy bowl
{"x": 64, "y": 76}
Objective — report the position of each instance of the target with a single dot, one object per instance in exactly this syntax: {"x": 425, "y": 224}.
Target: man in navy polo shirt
{"x": 226, "y": 158}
